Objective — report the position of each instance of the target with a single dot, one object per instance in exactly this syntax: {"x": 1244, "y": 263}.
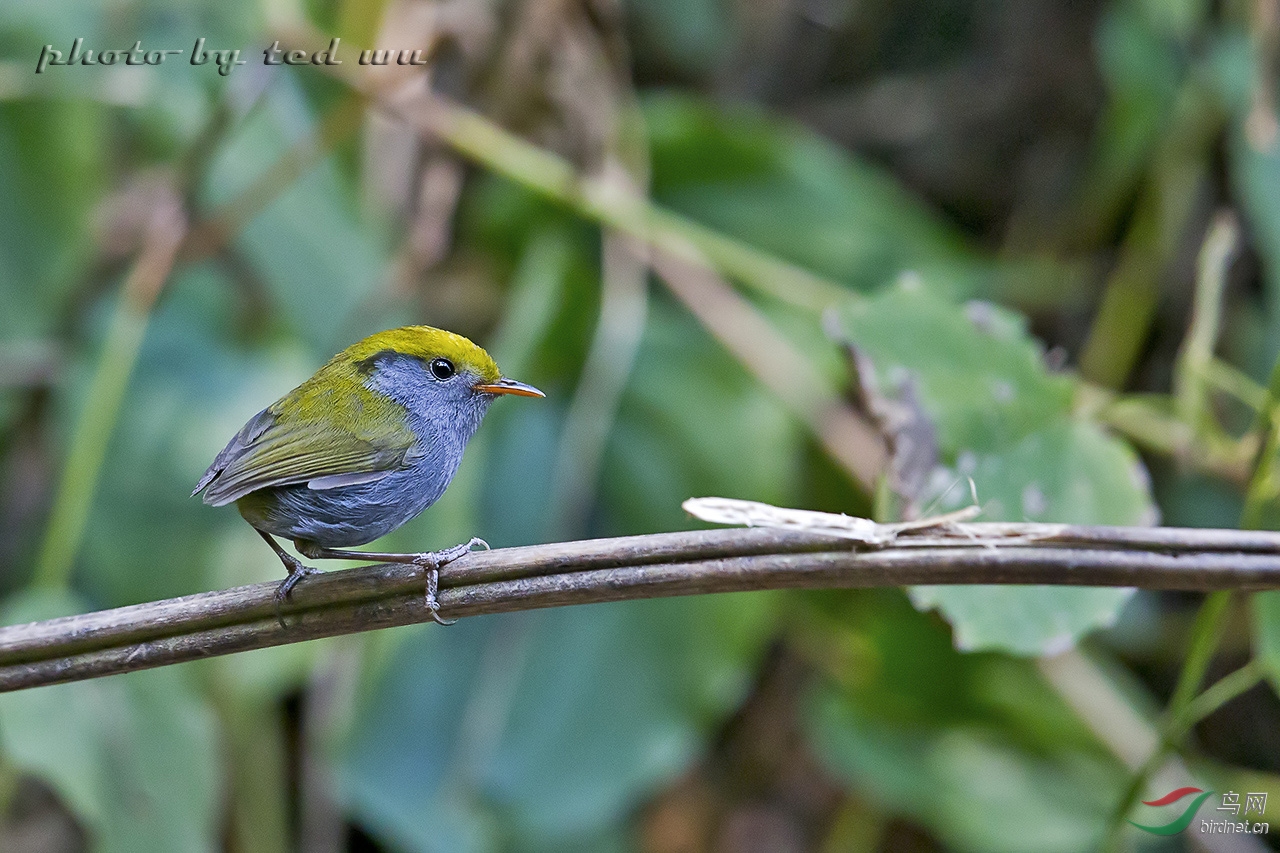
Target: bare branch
{"x": 667, "y": 564}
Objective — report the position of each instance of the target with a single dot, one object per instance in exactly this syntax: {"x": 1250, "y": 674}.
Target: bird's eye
{"x": 441, "y": 368}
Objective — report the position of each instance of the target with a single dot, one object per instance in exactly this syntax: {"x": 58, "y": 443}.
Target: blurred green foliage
{"x": 926, "y": 158}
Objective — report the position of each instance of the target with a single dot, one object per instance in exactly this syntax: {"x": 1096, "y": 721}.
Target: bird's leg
{"x": 429, "y": 561}
{"x": 297, "y": 571}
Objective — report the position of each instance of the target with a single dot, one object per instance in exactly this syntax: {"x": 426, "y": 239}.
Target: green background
{"x": 1001, "y": 205}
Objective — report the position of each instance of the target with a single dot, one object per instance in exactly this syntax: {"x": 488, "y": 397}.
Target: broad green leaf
{"x": 780, "y": 188}
{"x": 189, "y": 394}
{"x": 1069, "y": 472}
{"x": 135, "y": 757}
{"x": 981, "y": 377}
{"x": 1004, "y": 421}
{"x": 899, "y": 666}
{"x": 51, "y": 176}
{"x": 972, "y": 788}
{"x": 975, "y": 746}
{"x": 545, "y": 725}
{"x": 693, "y": 423}
{"x": 316, "y": 258}
{"x": 1190, "y": 499}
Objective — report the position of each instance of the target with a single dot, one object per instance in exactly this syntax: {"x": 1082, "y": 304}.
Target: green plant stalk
{"x": 1221, "y": 692}
{"x": 1164, "y": 207}
{"x": 89, "y": 441}
{"x": 1262, "y": 488}
{"x": 1206, "y": 634}
{"x": 1177, "y": 719}
{"x": 615, "y": 343}
{"x": 1191, "y": 389}
{"x": 1147, "y": 421}
{"x": 1231, "y": 380}
{"x": 1173, "y": 728}
{"x": 603, "y": 201}
{"x": 611, "y": 358}
{"x": 1186, "y": 708}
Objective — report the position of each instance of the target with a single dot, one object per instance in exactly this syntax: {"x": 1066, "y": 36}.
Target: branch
{"x": 666, "y": 564}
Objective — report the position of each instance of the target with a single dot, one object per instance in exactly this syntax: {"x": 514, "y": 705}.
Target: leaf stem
{"x": 1205, "y": 636}
{"x": 1221, "y": 692}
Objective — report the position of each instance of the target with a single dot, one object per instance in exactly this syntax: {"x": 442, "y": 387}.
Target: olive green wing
{"x": 347, "y": 439}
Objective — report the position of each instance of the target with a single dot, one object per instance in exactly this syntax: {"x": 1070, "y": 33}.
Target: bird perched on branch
{"x": 364, "y": 445}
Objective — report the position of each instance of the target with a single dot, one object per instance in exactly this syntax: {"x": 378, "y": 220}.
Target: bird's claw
{"x": 431, "y": 563}
{"x": 433, "y": 605}
{"x": 297, "y": 571}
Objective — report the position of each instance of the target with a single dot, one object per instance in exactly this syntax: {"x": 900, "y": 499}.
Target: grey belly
{"x": 350, "y": 515}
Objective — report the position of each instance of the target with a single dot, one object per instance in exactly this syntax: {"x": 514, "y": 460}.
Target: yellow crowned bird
{"x": 364, "y": 445}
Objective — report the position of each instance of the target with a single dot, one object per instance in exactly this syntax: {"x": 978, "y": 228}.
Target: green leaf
{"x": 969, "y": 786}
{"x": 899, "y": 666}
{"x": 51, "y": 176}
{"x": 975, "y": 746}
{"x": 318, "y": 259}
{"x": 781, "y": 188}
{"x": 981, "y": 377}
{"x": 689, "y": 418}
{"x": 544, "y": 727}
{"x": 1004, "y": 421}
{"x": 135, "y": 756}
{"x": 189, "y": 393}
{"x": 1068, "y": 472}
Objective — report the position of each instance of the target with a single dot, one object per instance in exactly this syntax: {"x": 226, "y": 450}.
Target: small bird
{"x": 364, "y": 445}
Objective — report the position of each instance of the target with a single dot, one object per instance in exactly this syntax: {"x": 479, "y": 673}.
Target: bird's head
{"x": 431, "y": 371}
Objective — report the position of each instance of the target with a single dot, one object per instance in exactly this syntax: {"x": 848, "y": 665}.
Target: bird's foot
{"x": 297, "y": 571}
{"x": 431, "y": 563}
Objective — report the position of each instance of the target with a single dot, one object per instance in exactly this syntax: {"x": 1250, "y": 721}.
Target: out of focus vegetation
{"x": 1051, "y": 230}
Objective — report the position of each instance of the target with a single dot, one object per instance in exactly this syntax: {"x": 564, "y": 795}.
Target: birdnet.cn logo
{"x": 1236, "y": 819}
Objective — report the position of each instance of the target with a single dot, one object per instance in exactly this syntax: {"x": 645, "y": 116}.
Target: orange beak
{"x": 509, "y": 386}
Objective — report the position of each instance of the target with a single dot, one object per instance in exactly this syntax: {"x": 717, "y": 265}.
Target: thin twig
{"x": 361, "y": 599}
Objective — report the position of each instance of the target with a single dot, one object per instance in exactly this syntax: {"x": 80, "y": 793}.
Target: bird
{"x": 372, "y": 439}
